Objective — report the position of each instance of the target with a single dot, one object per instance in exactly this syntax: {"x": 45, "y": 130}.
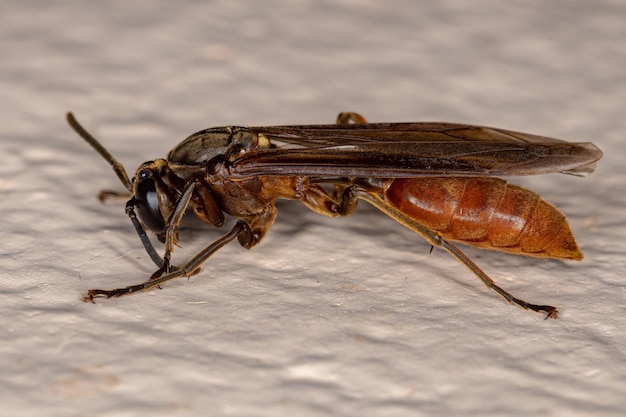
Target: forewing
{"x": 387, "y": 150}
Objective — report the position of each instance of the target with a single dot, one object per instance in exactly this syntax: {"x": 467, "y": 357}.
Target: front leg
{"x": 190, "y": 268}
{"x": 171, "y": 232}
{"x": 248, "y": 232}
{"x": 171, "y": 238}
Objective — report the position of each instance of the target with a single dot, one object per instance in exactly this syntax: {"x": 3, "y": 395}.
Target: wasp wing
{"x": 387, "y": 150}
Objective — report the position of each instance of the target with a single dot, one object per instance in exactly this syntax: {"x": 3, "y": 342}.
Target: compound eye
{"x": 147, "y": 202}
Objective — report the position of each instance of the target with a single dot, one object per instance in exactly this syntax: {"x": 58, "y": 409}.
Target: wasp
{"x": 440, "y": 180}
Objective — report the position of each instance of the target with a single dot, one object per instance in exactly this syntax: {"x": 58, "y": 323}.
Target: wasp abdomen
{"x": 486, "y": 212}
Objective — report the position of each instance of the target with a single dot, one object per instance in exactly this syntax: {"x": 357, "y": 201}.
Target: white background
{"x": 326, "y": 317}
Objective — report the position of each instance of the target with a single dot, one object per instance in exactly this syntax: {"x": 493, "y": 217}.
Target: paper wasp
{"x": 437, "y": 179}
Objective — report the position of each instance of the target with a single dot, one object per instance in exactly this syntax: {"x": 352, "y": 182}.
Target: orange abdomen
{"x": 486, "y": 212}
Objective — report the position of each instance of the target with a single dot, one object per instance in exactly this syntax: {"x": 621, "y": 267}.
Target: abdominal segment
{"x": 488, "y": 213}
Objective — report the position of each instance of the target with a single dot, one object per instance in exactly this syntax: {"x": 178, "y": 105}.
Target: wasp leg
{"x": 171, "y": 238}
{"x": 258, "y": 226}
{"x": 434, "y": 239}
{"x": 105, "y": 195}
{"x": 187, "y": 270}
{"x": 346, "y": 117}
{"x": 340, "y": 202}
{"x": 248, "y": 232}
{"x": 171, "y": 231}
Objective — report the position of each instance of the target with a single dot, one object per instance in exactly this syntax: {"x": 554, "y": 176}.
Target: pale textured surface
{"x": 325, "y": 317}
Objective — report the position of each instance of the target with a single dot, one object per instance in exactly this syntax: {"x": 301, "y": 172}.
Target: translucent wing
{"x": 386, "y": 150}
